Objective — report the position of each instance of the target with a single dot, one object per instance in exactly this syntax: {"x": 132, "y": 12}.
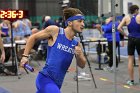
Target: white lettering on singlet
{"x": 65, "y": 48}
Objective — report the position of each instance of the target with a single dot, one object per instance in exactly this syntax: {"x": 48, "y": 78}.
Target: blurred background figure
{"x": 21, "y": 29}
{"x": 5, "y": 28}
{"x": 5, "y": 31}
{"x": 132, "y": 22}
{"x": 48, "y": 21}
{"x": 18, "y": 30}
{"x": 27, "y": 27}
{"x": 106, "y": 30}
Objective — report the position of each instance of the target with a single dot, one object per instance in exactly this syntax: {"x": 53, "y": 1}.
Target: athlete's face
{"x": 78, "y": 25}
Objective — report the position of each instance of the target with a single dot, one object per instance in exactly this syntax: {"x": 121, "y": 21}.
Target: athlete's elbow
{"x": 119, "y": 29}
{"x": 82, "y": 65}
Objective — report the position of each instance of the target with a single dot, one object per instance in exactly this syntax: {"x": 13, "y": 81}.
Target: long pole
{"x": 16, "y": 4}
{"x": 114, "y": 44}
{"x": 76, "y": 62}
{"x": 77, "y": 77}
{"x": 81, "y": 38}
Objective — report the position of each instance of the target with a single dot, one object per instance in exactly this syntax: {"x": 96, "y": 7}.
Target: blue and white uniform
{"x": 59, "y": 58}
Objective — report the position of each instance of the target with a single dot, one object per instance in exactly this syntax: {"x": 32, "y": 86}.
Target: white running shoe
{"x": 107, "y": 68}
{"x": 130, "y": 83}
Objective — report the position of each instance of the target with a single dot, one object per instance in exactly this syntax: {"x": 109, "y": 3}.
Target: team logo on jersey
{"x": 65, "y": 48}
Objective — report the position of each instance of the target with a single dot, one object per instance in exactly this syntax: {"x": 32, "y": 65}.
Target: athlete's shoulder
{"x": 138, "y": 16}
{"x": 52, "y": 28}
{"x": 126, "y": 17}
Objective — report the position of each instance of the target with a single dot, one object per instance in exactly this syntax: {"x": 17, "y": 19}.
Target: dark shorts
{"x": 133, "y": 43}
{"x": 121, "y": 37}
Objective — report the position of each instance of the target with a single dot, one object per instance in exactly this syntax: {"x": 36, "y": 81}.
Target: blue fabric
{"x": 45, "y": 84}
{"x": 74, "y": 18}
{"x": 119, "y": 18}
{"x": 59, "y": 58}
{"x": 2, "y": 90}
{"x": 134, "y": 28}
{"x": 5, "y": 29}
{"x": 107, "y": 28}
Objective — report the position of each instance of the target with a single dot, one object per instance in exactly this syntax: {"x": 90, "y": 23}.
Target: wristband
{"x": 23, "y": 55}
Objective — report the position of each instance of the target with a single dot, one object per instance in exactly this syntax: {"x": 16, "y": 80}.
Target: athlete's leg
{"x": 131, "y": 49}
{"x": 139, "y": 66}
{"x": 131, "y": 67}
{"x": 46, "y": 85}
{"x": 138, "y": 51}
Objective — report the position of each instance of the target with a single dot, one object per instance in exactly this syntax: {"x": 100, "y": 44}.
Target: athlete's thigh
{"x": 51, "y": 88}
{"x": 46, "y": 85}
{"x": 138, "y": 45}
{"x": 131, "y": 46}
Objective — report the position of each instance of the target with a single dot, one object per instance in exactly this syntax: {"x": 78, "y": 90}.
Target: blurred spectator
{"x": 27, "y": 27}
{"x": 48, "y": 22}
{"x": 106, "y": 30}
{"x": 5, "y": 28}
{"x": 18, "y": 30}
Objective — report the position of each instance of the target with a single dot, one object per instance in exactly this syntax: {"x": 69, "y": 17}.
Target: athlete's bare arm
{"x": 2, "y": 50}
{"x": 49, "y": 33}
{"x": 122, "y": 23}
{"x": 98, "y": 26}
{"x": 138, "y": 19}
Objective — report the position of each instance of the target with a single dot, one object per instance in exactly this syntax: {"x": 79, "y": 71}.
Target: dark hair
{"x": 68, "y": 12}
{"x": 133, "y": 8}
